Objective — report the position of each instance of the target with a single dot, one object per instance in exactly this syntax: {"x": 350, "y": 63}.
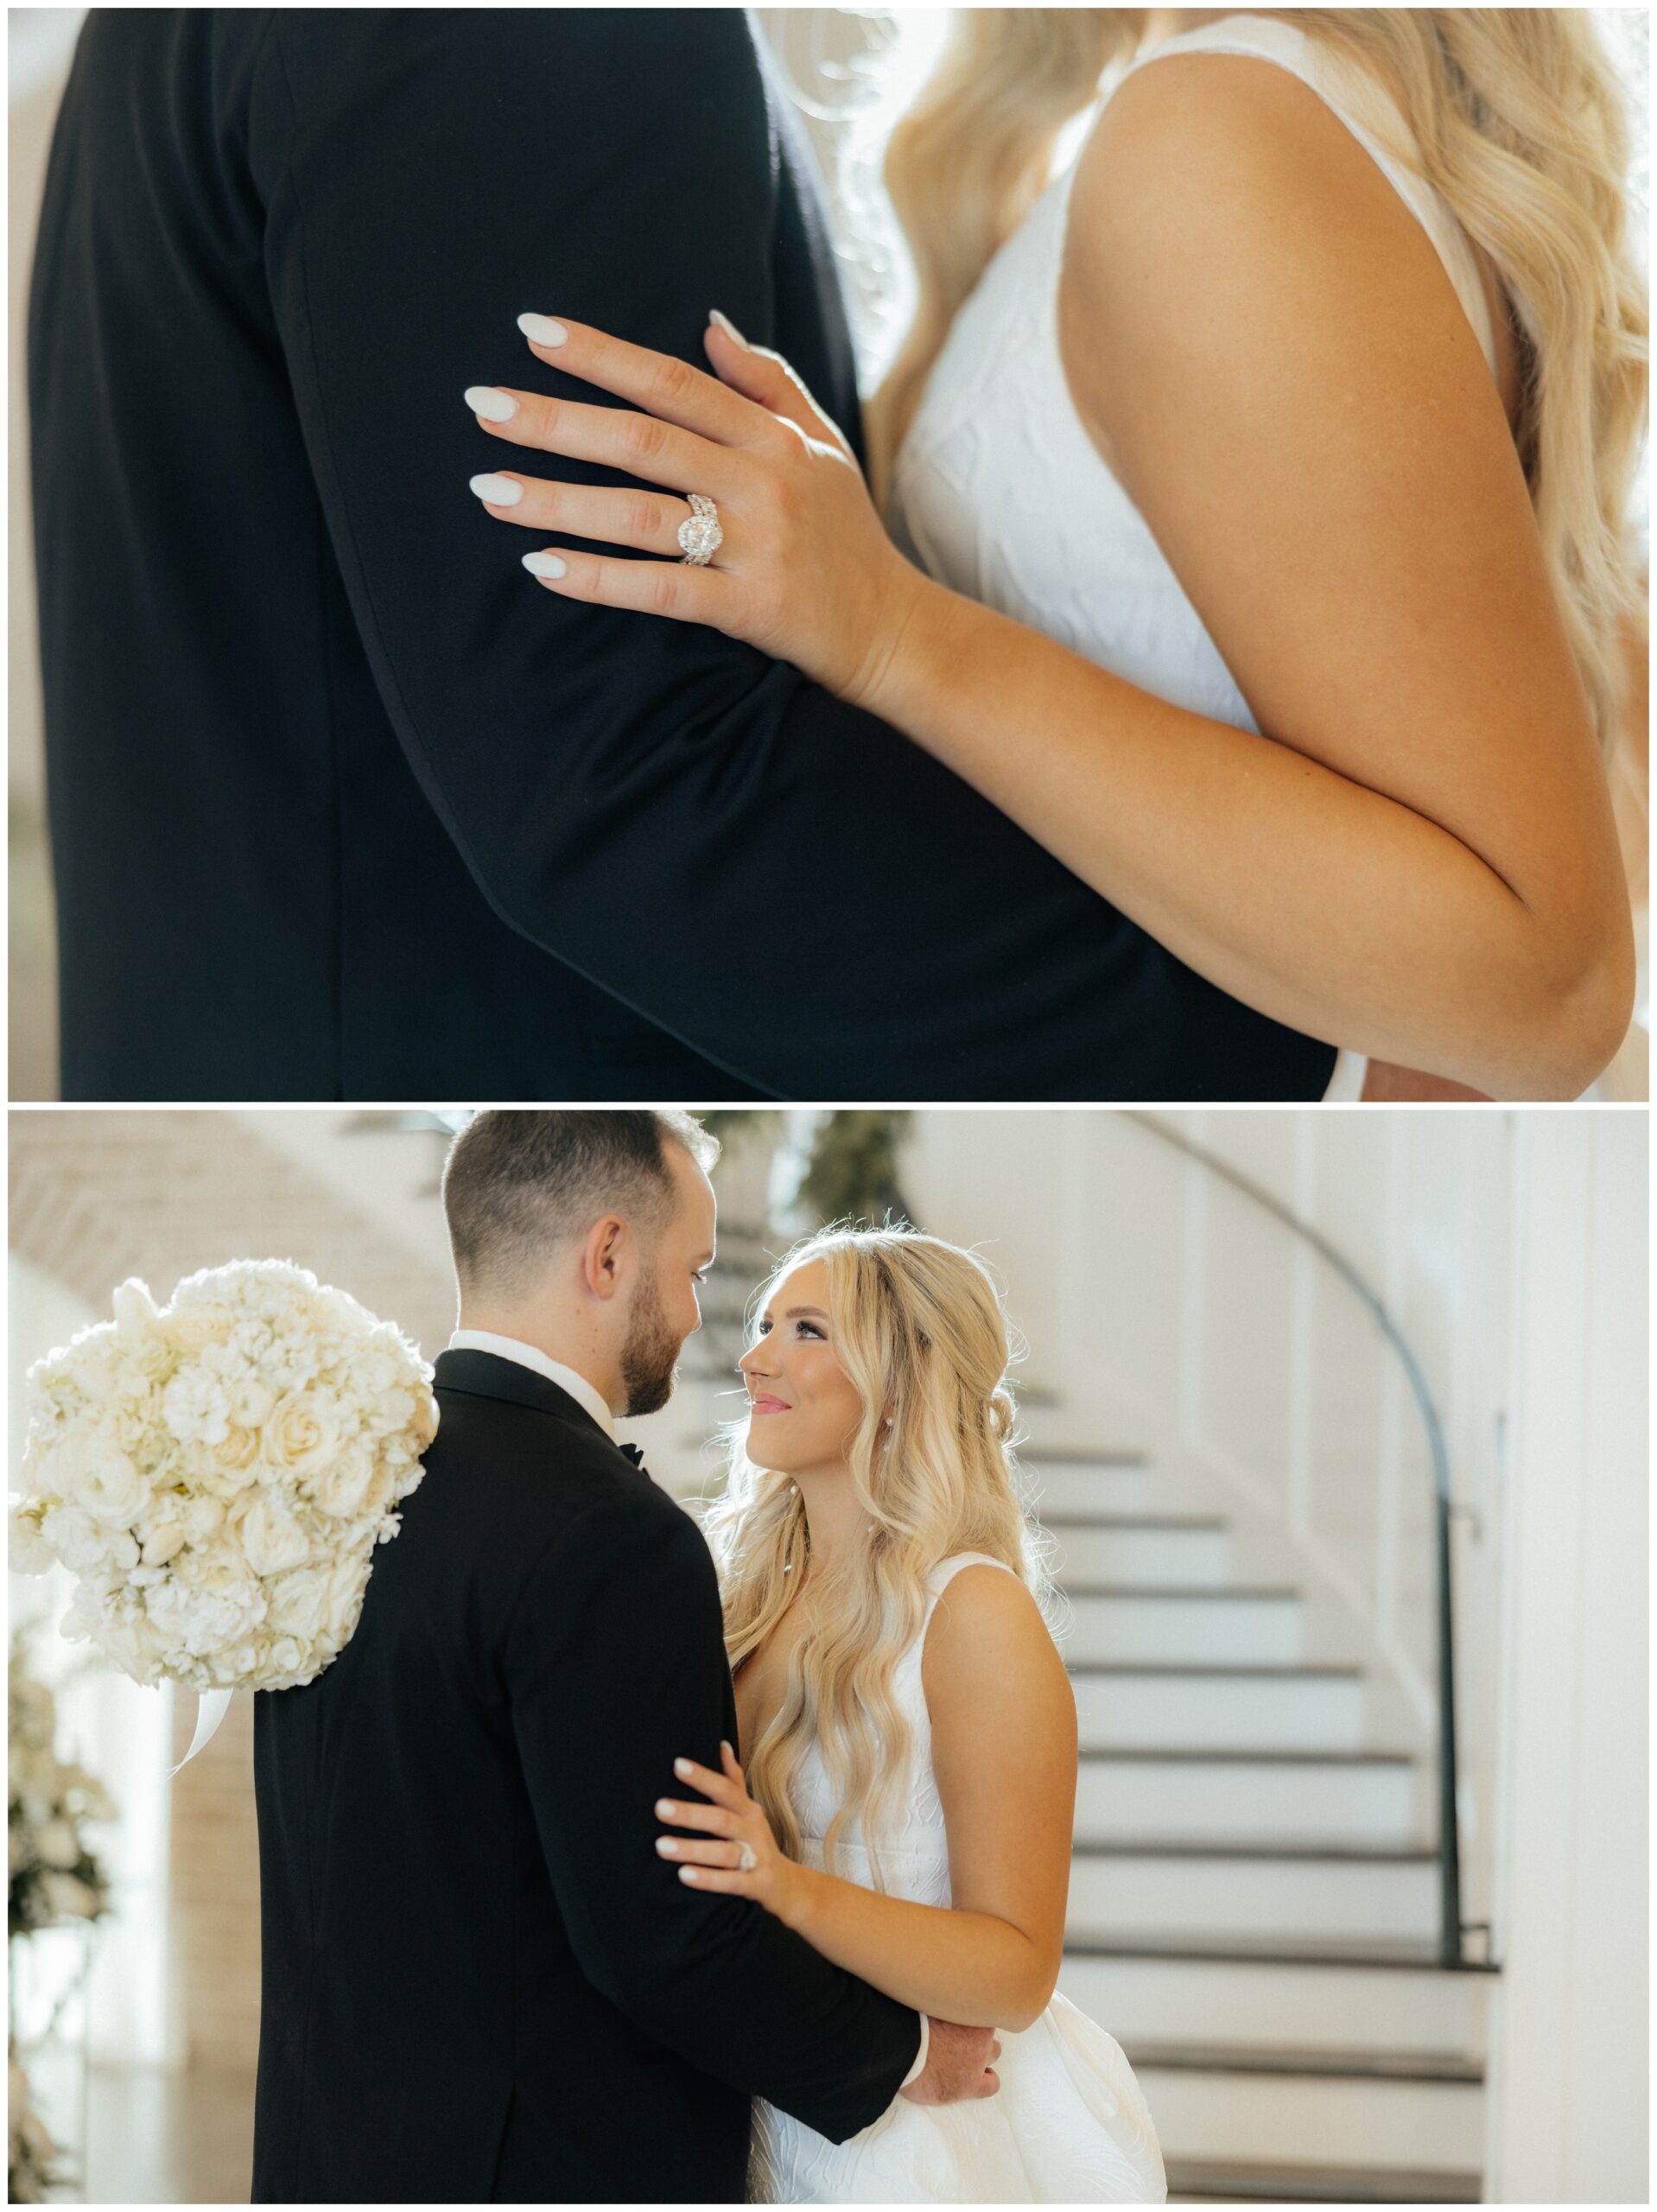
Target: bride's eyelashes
{"x": 804, "y": 1328}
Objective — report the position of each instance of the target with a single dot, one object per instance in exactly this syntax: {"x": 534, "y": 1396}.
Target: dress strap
{"x": 947, "y": 1569}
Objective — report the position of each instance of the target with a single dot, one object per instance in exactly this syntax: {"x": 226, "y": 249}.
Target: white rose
{"x": 303, "y": 1432}
{"x": 272, "y": 1538}
{"x": 286, "y": 1657}
{"x": 299, "y": 1603}
{"x": 342, "y": 1488}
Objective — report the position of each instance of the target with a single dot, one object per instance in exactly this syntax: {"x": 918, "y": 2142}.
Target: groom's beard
{"x": 649, "y": 1356}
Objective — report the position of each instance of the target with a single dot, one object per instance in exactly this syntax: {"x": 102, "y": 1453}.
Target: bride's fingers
{"x": 649, "y": 520}
{"x": 683, "y": 595}
{"x": 710, "y": 1819}
{"x": 639, "y": 445}
{"x": 718, "y": 1787}
{"x": 727, "y": 1855}
{"x": 661, "y": 384}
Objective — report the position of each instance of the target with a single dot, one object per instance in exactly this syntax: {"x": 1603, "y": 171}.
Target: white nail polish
{"x": 499, "y": 491}
{"x": 729, "y": 329}
{"x": 543, "y": 564}
{"x": 542, "y": 329}
{"x": 493, "y": 406}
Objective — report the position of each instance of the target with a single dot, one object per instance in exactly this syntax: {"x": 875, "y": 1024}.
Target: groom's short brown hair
{"x": 517, "y": 1183}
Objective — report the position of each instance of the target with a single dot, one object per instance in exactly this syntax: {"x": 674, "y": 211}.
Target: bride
{"x": 1253, "y": 505}
{"x": 909, "y": 1729}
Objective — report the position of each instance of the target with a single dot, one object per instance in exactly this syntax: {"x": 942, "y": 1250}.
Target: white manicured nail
{"x": 542, "y": 329}
{"x": 729, "y": 329}
{"x": 493, "y": 406}
{"x": 500, "y": 490}
{"x": 543, "y": 564}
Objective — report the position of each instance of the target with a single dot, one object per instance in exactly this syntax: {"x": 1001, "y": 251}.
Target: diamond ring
{"x": 700, "y": 535}
{"x": 748, "y": 1862}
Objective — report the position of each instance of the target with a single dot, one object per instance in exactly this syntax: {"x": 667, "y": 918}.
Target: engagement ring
{"x": 748, "y": 1862}
{"x": 700, "y": 535}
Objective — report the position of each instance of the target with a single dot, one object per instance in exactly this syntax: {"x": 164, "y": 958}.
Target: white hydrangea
{"x": 217, "y": 1471}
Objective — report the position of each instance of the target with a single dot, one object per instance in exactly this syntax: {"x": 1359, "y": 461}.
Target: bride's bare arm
{"x": 1418, "y": 858}
{"x": 1004, "y": 1754}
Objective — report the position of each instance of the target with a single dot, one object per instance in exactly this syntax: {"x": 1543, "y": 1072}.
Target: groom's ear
{"x": 602, "y": 1254}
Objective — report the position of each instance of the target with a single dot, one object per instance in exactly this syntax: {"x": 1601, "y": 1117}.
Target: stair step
{"x": 1333, "y": 1998}
{"x": 1370, "y": 2119}
{"x": 1366, "y": 1854}
{"x": 1167, "y": 1552}
{"x": 1402, "y": 1955}
{"x": 1344, "y": 2065}
{"x": 1080, "y": 1455}
{"x": 1135, "y": 1521}
{"x": 1347, "y": 1899}
{"x": 1078, "y": 1487}
{"x": 1199, "y": 2180}
{"x": 1268, "y": 1796}
{"x": 1261, "y": 1709}
{"x": 1113, "y": 1622}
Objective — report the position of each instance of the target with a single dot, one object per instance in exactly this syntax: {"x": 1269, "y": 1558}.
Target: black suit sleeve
{"x": 615, "y": 1667}
{"x": 656, "y": 805}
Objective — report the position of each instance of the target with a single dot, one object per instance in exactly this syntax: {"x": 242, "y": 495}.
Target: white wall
{"x": 1569, "y": 2082}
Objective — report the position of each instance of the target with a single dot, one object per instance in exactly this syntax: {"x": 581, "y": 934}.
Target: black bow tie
{"x": 633, "y": 1453}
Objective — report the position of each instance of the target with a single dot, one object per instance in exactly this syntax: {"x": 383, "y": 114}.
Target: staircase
{"x": 1254, "y": 1902}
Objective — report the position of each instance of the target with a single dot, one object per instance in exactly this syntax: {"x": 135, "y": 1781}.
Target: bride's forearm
{"x": 1320, "y": 902}
{"x": 966, "y": 1967}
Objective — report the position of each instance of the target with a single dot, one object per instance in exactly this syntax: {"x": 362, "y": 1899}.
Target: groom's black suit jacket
{"x": 480, "y": 1981}
{"x": 343, "y": 804}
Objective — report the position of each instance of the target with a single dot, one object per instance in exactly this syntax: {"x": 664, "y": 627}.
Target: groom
{"x": 480, "y": 1981}
{"x": 343, "y": 804}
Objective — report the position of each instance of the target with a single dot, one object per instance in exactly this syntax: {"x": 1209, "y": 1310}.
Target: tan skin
{"x": 1004, "y": 1737}
{"x": 1417, "y": 859}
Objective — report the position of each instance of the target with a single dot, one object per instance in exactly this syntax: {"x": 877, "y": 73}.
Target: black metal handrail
{"x": 1451, "y": 1929}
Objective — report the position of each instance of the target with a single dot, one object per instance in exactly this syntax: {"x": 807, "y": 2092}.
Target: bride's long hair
{"x": 1519, "y": 121}
{"x": 919, "y": 1329}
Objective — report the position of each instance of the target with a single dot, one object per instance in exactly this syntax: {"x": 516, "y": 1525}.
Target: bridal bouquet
{"x": 217, "y": 1472}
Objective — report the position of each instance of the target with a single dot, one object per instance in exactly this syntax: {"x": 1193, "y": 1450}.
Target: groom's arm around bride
{"x": 540, "y": 844}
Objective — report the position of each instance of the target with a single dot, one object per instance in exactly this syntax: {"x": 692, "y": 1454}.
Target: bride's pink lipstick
{"x": 770, "y": 1406}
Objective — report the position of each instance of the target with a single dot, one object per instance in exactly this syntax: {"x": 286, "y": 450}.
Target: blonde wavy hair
{"x": 919, "y": 1329}
{"x": 1514, "y": 115}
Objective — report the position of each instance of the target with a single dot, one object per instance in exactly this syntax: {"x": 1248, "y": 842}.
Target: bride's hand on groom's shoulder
{"x": 733, "y": 1850}
{"x": 803, "y": 570}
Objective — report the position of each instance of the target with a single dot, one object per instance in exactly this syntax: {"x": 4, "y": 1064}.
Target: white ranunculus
{"x": 82, "y": 1544}
{"x": 103, "y": 1481}
{"x": 286, "y": 1656}
{"x": 272, "y": 1538}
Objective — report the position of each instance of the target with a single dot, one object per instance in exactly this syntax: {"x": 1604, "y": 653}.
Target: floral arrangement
{"x": 217, "y": 1472}
{"x": 32, "y": 2157}
{"x": 55, "y": 1875}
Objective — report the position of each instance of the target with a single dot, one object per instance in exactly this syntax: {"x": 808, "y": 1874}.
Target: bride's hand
{"x": 736, "y": 1821}
{"x": 806, "y": 571}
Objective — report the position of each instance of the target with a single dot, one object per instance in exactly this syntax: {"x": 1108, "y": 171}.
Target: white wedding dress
{"x": 999, "y": 492}
{"x": 1068, "y": 2126}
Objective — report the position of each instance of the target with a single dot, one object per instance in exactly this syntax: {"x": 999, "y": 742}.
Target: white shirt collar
{"x": 527, "y": 1356}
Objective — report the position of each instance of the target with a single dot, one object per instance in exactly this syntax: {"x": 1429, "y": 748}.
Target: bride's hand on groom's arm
{"x": 805, "y": 572}
{"x": 727, "y": 1827}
